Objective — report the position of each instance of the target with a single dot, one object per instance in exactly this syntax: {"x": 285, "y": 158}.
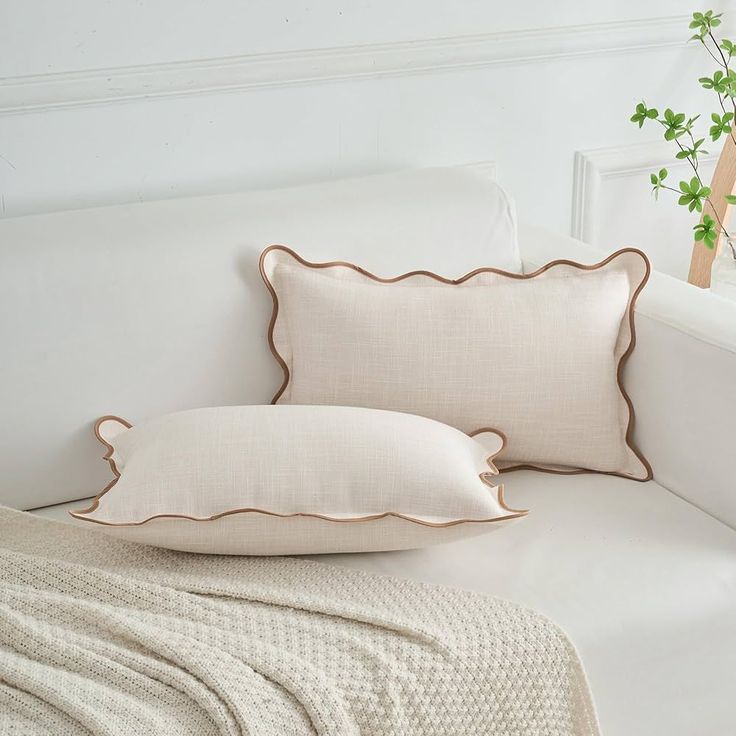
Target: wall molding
{"x": 100, "y": 86}
{"x": 593, "y": 167}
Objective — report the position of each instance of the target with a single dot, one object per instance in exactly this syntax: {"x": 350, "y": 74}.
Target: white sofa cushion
{"x": 643, "y": 583}
{"x": 539, "y": 356}
{"x": 278, "y": 480}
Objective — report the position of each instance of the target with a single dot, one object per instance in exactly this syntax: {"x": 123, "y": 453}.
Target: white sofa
{"x": 142, "y": 309}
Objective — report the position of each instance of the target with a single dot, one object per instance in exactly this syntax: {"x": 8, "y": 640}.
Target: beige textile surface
{"x": 539, "y": 357}
{"x": 277, "y": 480}
{"x": 99, "y": 636}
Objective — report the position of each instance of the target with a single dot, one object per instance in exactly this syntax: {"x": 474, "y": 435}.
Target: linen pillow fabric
{"x": 277, "y": 480}
{"x": 540, "y": 356}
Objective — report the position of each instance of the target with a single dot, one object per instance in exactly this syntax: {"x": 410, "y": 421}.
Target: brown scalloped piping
{"x": 484, "y": 477}
{"x": 628, "y": 437}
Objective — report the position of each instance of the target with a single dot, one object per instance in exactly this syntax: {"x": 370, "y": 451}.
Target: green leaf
{"x": 674, "y": 124}
{"x": 731, "y": 198}
{"x": 642, "y": 114}
{"x": 721, "y": 125}
{"x": 689, "y": 124}
{"x": 682, "y": 154}
{"x": 656, "y": 180}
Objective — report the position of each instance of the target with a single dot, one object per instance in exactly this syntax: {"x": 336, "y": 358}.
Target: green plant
{"x": 678, "y": 128}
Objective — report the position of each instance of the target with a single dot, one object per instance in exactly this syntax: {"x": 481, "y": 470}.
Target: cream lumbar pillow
{"x": 280, "y": 480}
{"x": 540, "y": 356}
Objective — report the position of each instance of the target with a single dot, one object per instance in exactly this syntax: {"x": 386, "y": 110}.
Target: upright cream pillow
{"x": 540, "y": 356}
{"x": 280, "y": 480}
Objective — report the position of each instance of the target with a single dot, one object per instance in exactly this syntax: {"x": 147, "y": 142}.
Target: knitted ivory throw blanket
{"x": 99, "y": 636}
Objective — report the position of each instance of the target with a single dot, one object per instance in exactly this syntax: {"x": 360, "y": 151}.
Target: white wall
{"x": 106, "y": 102}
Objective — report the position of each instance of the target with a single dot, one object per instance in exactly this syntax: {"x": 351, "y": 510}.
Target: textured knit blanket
{"x": 100, "y": 637}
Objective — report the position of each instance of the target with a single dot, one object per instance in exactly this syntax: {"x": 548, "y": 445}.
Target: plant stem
{"x": 694, "y": 166}
{"x": 724, "y": 64}
{"x": 682, "y": 148}
{"x": 696, "y": 162}
{"x": 723, "y": 107}
{"x": 720, "y": 224}
{"x": 723, "y": 61}
{"x": 712, "y": 55}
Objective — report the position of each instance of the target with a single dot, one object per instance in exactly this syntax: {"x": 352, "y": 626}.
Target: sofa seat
{"x": 643, "y": 582}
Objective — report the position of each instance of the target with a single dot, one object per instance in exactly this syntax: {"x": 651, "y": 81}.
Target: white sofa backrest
{"x": 142, "y": 309}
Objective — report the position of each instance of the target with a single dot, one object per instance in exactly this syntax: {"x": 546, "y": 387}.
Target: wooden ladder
{"x": 724, "y": 182}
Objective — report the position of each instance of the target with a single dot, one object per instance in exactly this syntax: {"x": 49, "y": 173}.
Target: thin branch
{"x": 687, "y": 158}
{"x": 733, "y": 102}
{"x": 712, "y": 55}
{"x": 713, "y": 209}
{"x": 723, "y": 63}
{"x": 694, "y": 167}
{"x": 723, "y": 107}
{"x": 692, "y": 163}
{"x": 696, "y": 162}
{"x": 715, "y": 212}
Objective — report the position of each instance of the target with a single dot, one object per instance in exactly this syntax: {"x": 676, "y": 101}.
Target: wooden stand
{"x": 724, "y": 182}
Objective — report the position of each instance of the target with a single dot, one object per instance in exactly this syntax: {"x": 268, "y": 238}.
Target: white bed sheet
{"x": 643, "y": 582}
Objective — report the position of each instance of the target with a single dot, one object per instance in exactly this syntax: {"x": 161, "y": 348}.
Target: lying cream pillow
{"x": 281, "y": 480}
{"x": 540, "y": 356}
